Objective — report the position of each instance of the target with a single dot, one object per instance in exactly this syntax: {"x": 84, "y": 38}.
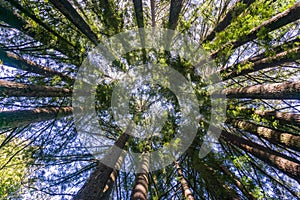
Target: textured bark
{"x": 71, "y": 14}
{"x": 153, "y": 13}
{"x": 286, "y": 90}
{"x": 187, "y": 193}
{"x": 95, "y": 186}
{"x": 283, "y": 117}
{"x": 254, "y": 64}
{"x": 140, "y": 189}
{"x": 290, "y": 15}
{"x": 13, "y": 89}
{"x": 175, "y": 8}
{"x": 17, "y": 118}
{"x": 287, "y": 165}
{"x": 12, "y": 60}
{"x": 16, "y": 21}
{"x": 112, "y": 179}
{"x": 276, "y": 137}
{"x": 234, "y": 11}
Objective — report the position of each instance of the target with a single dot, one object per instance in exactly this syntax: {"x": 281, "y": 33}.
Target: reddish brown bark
{"x": 95, "y": 186}
{"x": 287, "y": 165}
{"x": 13, "y": 89}
{"x": 276, "y": 137}
{"x": 18, "y": 118}
{"x": 140, "y": 189}
{"x": 187, "y": 193}
{"x": 12, "y": 60}
{"x": 286, "y": 90}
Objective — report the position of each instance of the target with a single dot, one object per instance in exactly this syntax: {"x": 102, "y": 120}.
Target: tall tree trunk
{"x": 138, "y": 9}
{"x": 13, "y": 89}
{"x": 215, "y": 183}
{"x": 16, "y": 21}
{"x": 235, "y": 10}
{"x": 95, "y": 186}
{"x": 283, "y": 117}
{"x": 276, "y": 137}
{"x": 238, "y": 183}
{"x": 290, "y": 15}
{"x": 187, "y": 193}
{"x": 112, "y": 179}
{"x": 287, "y": 165}
{"x": 248, "y": 66}
{"x": 140, "y": 189}
{"x": 30, "y": 14}
{"x": 12, "y": 60}
{"x": 153, "y": 13}
{"x": 175, "y": 8}
{"x": 286, "y": 90}
{"x": 71, "y": 14}
{"x": 18, "y": 118}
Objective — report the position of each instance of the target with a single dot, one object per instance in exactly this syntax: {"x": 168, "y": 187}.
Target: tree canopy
{"x": 251, "y": 46}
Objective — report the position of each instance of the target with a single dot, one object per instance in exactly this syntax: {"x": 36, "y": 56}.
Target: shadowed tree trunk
{"x": 29, "y": 13}
{"x": 16, "y": 21}
{"x": 16, "y": 118}
{"x": 187, "y": 193}
{"x": 112, "y": 179}
{"x": 290, "y": 15}
{"x": 12, "y": 60}
{"x": 286, "y": 90}
{"x": 13, "y": 89}
{"x": 140, "y": 189}
{"x": 276, "y": 137}
{"x": 234, "y": 11}
{"x": 71, "y": 14}
{"x": 251, "y": 65}
{"x": 215, "y": 185}
{"x": 175, "y": 8}
{"x": 95, "y": 186}
{"x": 238, "y": 183}
{"x": 287, "y": 165}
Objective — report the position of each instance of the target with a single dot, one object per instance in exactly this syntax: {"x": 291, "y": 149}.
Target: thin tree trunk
{"x": 290, "y": 15}
{"x": 12, "y": 60}
{"x": 175, "y": 8}
{"x": 14, "y": 20}
{"x": 140, "y": 189}
{"x": 234, "y": 11}
{"x": 276, "y": 137}
{"x": 153, "y": 14}
{"x": 18, "y": 118}
{"x": 13, "y": 89}
{"x": 187, "y": 193}
{"x": 71, "y": 14}
{"x": 286, "y": 90}
{"x": 287, "y": 165}
{"x": 95, "y": 186}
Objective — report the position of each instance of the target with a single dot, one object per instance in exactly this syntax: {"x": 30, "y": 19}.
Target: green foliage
{"x": 15, "y": 158}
